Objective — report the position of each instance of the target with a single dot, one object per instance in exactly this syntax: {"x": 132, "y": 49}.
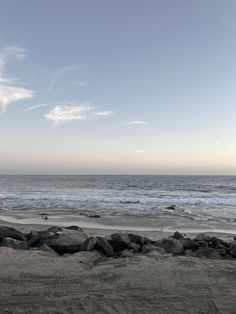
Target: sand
{"x": 40, "y": 282}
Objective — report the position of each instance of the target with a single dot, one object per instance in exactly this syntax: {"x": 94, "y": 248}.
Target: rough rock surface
{"x": 170, "y": 245}
{"x": 7, "y": 232}
{"x": 14, "y": 244}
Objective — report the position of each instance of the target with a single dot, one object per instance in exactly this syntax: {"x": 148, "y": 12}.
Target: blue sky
{"x": 118, "y": 86}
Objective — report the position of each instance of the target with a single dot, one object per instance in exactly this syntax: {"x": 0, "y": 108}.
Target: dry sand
{"x": 39, "y": 282}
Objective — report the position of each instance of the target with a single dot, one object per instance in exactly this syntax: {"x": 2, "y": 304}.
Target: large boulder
{"x": 135, "y": 238}
{"x": 207, "y": 252}
{"x": 8, "y": 232}
{"x": 99, "y": 244}
{"x": 121, "y": 242}
{"x": 202, "y": 237}
{"x": 76, "y": 228}
{"x": 189, "y": 244}
{"x": 170, "y": 245}
{"x": 177, "y": 235}
{"x": 68, "y": 241}
{"x": 38, "y": 238}
{"x": 14, "y": 244}
{"x": 233, "y": 250}
{"x": 218, "y": 243}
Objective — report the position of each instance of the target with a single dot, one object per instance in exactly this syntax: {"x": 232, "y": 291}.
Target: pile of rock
{"x": 72, "y": 239}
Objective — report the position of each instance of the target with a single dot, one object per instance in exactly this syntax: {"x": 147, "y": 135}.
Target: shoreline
{"x": 96, "y": 226}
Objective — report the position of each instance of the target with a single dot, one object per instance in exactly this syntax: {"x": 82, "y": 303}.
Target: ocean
{"x": 205, "y": 198}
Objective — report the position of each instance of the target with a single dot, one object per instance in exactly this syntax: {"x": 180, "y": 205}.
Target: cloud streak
{"x": 137, "y": 122}
{"x": 10, "y": 91}
{"x": 57, "y": 76}
{"x": 104, "y": 113}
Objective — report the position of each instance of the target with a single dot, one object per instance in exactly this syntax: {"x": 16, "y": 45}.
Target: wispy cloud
{"x": 137, "y": 122}
{"x": 104, "y": 113}
{"x": 66, "y": 113}
{"x": 39, "y": 106}
{"x": 60, "y": 73}
{"x": 62, "y": 113}
{"x": 10, "y": 91}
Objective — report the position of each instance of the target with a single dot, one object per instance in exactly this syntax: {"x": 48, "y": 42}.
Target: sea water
{"x": 209, "y": 198}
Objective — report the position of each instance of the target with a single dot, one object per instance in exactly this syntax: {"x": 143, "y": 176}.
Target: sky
{"x": 118, "y": 87}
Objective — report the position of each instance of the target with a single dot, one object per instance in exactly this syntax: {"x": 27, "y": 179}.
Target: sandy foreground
{"x": 40, "y": 282}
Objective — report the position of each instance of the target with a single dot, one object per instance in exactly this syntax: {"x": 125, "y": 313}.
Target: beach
{"x": 34, "y": 281}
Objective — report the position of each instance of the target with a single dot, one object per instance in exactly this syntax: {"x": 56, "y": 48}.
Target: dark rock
{"x": 177, "y": 235}
{"x": 233, "y": 250}
{"x": 129, "y": 202}
{"x": 14, "y": 244}
{"x": 218, "y": 243}
{"x": 207, "y": 252}
{"x": 170, "y": 245}
{"x": 172, "y": 207}
{"x": 8, "y": 232}
{"x": 89, "y": 244}
{"x": 202, "y": 237}
{"x": 94, "y": 216}
{"x": 189, "y": 244}
{"x": 121, "y": 242}
{"x": 76, "y": 228}
{"x": 99, "y": 244}
{"x": 38, "y": 238}
{"x": 138, "y": 239}
{"x": 103, "y": 246}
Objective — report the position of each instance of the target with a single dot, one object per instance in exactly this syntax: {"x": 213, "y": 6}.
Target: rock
{"x": 202, "y": 237}
{"x": 76, "y": 228}
{"x": 172, "y": 207}
{"x": 127, "y": 253}
{"x": 233, "y": 250}
{"x": 99, "y": 244}
{"x": 7, "y": 232}
{"x": 89, "y": 244}
{"x": 170, "y": 245}
{"x": 138, "y": 239}
{"x": 121, "y": 242}
{"x": 189, "y": 244}
{"x": 218, "y": 243}
{"x": 206, "y": 252}
{"x": 14, "y": 244}
{"x": 38, "y": 238}
{"x": 69, "y": 241}
{"x": 94, "y": 216}
{"x": 129, "y": 202}
{"x": 177, "y": 235}
{"x": 103, "y": 246}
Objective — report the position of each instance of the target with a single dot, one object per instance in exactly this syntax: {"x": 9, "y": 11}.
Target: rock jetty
{"x": 73, "y": 239}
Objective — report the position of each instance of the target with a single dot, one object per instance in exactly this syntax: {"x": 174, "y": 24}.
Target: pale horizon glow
{"x": 118, "y": 88}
